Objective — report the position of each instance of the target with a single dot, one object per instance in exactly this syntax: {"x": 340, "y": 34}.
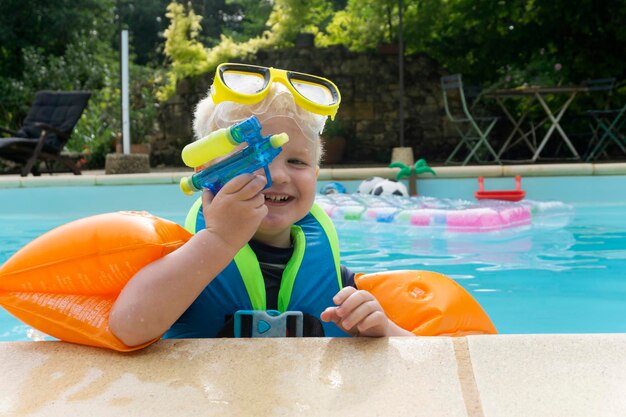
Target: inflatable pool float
{"x": 65, "y": 282}
{"x": 445, "y": 216}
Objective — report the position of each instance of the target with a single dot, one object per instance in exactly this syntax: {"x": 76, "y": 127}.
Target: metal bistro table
{"x": 538, "y": 93}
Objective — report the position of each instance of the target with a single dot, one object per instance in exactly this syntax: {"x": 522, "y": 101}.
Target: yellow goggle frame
{"x": 222, "y": 92}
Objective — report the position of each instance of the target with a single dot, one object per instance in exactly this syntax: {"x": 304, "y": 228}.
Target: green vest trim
{"x": 291, "y": 269}
{"x": 327, "y": 224}
{"x": 250, "y": 270}
{"x": 192, "y": 215}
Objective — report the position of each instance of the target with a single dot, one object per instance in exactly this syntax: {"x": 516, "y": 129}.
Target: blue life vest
{"x": 310, "y": 280}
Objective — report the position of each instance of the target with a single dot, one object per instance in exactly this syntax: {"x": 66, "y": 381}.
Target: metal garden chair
{"x": 599, "y": 93}
{"x": 609, "y": 125}
{"x": 606, "y": 124}
{"x": 474, "y": 131}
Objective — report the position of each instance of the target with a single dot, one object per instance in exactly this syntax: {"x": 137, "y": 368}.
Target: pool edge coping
{"x": 547, "y": 360}
{"x": 325, "y": 174}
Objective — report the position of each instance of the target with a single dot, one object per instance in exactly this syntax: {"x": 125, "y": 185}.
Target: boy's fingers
{"x": 259, "y": 201}
{"x": 343, "y": 295}
{"x": 351, "y": 318}
{"x": 207, "y": 197}
{"x": 249, "y": 185}
{"x": 330, "y": 314}
{"x": 353, "y": 300}
{"x": 373, "y": 324}
{"x": 237, "y": 183}
{"x": 252, "y": 190}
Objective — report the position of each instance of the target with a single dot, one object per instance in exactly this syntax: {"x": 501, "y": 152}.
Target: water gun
{"x": 259, "y": 153}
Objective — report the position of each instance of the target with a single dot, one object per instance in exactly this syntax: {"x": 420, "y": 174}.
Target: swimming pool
{"x": 566, "y": 281}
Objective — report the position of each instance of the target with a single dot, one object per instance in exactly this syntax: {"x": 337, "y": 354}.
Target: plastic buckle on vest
{"x": 270, "y": 323}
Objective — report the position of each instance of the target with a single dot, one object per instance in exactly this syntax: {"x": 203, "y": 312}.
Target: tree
{"x": 49, "y": 45}
{"x": 146, "y": 22}
{"x": 48, "y": 27}
{"x": 484, "y": 38}
{"x": 362, "y": 24}
{"x": 188, "y": 56}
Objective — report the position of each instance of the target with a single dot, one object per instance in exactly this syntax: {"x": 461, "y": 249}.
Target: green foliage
{"x": 146, "y": 23}
{"x": 248, "y": 19}
{"x": 291, "y": 17}
{"x": 188, "y": 57}
{"x": 186, "y": 54}
{"x": 485, "y": 40}
{"x": 542, "y": 69}
{"x": 236, "y": 19}
{"x": 334, "y": 128}
{"x": 15, "y": 102}
{"x": 96, "y": 130}
{"x": 362, "y": 25}
{"x": 49, "y": 27}
{"x": 89, "y": 63}
{"x": 33, "y": 34}
{"x": 85, "y": 65}
{"x": 79, "y": 69}
{"x": 100, "y": 124}
{"x": 181, "y": 45}
{"x": 68, "y": 45}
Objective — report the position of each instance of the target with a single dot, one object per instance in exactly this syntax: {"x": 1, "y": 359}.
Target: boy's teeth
{"x": 276, "y": 197}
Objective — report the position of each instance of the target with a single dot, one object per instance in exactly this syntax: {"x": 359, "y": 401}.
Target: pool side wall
{"x": 476, "y": 376}
{"x": 541, "y": 182}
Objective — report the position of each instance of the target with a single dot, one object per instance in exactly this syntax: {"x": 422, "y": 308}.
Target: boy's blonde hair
{"x": 209, "y": 116}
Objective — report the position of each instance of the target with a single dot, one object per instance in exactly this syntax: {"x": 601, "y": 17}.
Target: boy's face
{"x": 294, "y": 180}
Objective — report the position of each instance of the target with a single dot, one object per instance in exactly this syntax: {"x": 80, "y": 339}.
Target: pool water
{"x": 570, "y": 280}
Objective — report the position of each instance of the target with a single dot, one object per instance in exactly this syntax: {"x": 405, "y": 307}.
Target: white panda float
{"x": 368, "y": 185}
{"x": 390, "y": 187}
{"x": 382, "y": 187}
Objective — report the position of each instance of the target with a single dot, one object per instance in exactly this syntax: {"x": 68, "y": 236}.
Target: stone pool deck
{"x": 504, "y": 375}
{"x": 491, "y": 376}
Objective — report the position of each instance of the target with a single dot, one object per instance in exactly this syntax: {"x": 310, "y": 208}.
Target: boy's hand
{"x": 358, "y": 313}
{"x": 236, "y": 212}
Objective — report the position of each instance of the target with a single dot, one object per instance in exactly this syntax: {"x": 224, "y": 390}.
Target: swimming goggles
{"x": 249, "y": 84}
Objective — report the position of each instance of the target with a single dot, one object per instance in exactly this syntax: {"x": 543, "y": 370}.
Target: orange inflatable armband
{"x": 427, "y": 303}
{"x": 65, "y": 282}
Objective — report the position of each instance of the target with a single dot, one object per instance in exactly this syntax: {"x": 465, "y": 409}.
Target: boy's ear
{"x": 317, "y": 171}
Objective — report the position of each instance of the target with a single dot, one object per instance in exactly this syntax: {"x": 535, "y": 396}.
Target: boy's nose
{"x": 278, "y": 172}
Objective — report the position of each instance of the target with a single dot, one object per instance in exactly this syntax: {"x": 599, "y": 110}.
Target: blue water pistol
{"x": 259, "y": 153}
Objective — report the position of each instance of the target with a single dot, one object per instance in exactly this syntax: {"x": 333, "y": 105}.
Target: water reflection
{"x": 551, "y": 250}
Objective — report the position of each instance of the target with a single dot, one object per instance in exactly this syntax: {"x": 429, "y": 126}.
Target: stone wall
{"x": 369, "y": 108}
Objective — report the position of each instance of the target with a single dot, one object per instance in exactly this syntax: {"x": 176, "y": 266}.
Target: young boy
{"x": 259, "y": 248}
